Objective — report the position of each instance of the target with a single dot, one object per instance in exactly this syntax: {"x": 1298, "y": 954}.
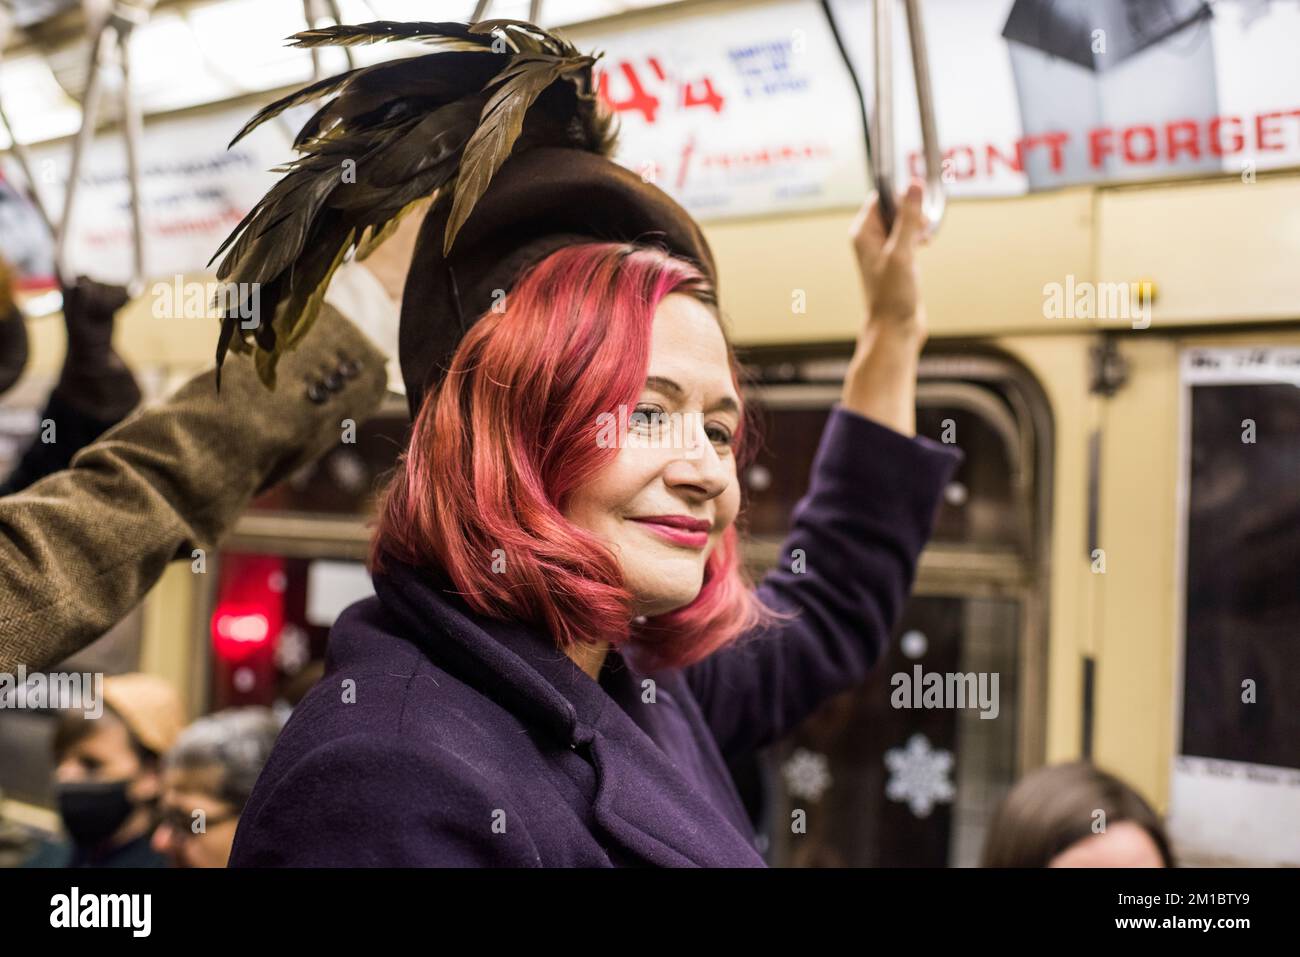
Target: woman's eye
{"x": 719, "y": 435}
{"x": 645, "y": 418}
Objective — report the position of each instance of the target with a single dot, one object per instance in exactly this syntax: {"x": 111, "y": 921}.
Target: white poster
{"x": 194, "y": 193}
{"x": 735, "y": 113}
{"x": 1235, "y": 795}
{"x": 750, "y": 111}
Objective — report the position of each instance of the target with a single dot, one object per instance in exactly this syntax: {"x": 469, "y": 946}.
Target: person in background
{"x": 108, "y": 775}
{"x": 13, "y": 334}
{"x": 95, "y": 390}
{"x": 80, "y": 548}
{"x": 517, "y": 693}
{"x": 207, "y": 778}
{"x": 1075, "y": 815}
{"x": 17, "y": 841}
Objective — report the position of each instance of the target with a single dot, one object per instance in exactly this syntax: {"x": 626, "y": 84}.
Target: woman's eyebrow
{"x": 670, "y": 388}
{"x": 664, "y": 385}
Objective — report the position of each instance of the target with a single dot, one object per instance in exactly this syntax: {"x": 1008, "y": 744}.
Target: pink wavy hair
{"x": 500, "y": 446}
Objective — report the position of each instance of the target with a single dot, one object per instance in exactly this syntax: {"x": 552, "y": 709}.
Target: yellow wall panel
{"x": 1137, "y": 593}
{"x": 1060, "y": 363}
{"x": 168, "y": 647}
{"x": 983, "y": 274}
{"x": 1219, "y": 251}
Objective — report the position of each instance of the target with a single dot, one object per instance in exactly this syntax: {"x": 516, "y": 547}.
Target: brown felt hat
{"x": 503, "y": 123}
{"x": 538, "y": 202}
{"x": 149, "y": 706}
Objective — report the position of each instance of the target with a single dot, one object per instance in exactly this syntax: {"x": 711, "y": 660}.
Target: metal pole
{"x": 24, "y": 164}
{"x": 133, "y": 128}
{"x": 89, "y": 116}
{"x": 882, "y": 119}
{"x": 338, "y": 18}
{"x": 936, "y": 195}
{"x": 882, "y": 122}
{"x": 17, "y": 148}
{"x": 309, "y": 14}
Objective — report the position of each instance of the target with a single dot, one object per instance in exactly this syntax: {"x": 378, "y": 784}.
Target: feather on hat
{"x": 502, "y": 122}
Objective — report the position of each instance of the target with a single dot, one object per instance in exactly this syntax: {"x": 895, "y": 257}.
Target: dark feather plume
{"x": 441, "y": 123}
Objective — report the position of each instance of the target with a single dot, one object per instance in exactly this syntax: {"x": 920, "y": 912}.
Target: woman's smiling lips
{"x": 678, "y": 529}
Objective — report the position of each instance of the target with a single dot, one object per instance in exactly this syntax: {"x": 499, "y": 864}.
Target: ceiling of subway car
{"x": 181, "y": 56}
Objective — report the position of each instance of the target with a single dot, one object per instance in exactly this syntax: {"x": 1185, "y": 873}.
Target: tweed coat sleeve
{"x": 80, "y": 548}
{"x": 845, "y": 571}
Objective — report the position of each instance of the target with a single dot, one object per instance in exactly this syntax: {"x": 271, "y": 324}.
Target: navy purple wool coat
{"x": 439, "y": 737}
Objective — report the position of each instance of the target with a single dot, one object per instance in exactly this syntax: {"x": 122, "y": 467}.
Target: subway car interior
{"x": 1113, "y": 302}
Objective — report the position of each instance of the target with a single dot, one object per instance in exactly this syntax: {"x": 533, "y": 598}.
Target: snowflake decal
{"x": 292, "y": 651}
{"x": 918, "y": 775}
{"x": 807, "y": 774}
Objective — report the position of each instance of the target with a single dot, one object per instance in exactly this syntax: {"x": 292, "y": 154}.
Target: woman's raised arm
{"x": 848, "y": 563}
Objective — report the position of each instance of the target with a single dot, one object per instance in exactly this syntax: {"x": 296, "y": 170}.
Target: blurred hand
{"x": 369, "y": 291}
{"x": 888, "y": 266}
{"x": 391, "y": 261}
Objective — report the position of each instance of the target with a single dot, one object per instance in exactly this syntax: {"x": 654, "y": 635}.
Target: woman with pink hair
{"x": 562, "y": 651}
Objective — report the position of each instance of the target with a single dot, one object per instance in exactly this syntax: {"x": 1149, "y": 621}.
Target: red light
{"x": 245, "y": 628}
{"x": 238, "y": 633}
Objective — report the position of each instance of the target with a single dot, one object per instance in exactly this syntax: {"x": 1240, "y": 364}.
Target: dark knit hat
{"x": 541, "y": 200}
{"x": 502, "y": 122}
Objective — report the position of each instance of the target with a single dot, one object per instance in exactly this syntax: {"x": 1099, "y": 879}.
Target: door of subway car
{"x": 874, "y": 777}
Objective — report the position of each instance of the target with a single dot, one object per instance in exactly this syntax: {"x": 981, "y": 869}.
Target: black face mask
{"x": 93, "y": 810}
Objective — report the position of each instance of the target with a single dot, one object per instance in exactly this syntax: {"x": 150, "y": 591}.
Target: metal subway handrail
{"x": 109, "y": 25}
{"x": 15, "y": 147}
{"x": 882, "y": 119}
{"x": 481, "y": 9}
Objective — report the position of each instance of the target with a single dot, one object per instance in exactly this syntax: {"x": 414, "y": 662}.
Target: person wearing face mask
{"x": 108, "y": 775}
{"x": 207, "y": 778}
{"x": 563, "y": 651}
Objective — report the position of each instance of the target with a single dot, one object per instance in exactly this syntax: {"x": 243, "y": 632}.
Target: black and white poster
{"x": 1236, "y": 779}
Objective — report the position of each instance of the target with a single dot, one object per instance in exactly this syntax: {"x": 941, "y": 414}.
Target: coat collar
{"x": 642, "y": 799}
{"x": 521, "y": 667}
